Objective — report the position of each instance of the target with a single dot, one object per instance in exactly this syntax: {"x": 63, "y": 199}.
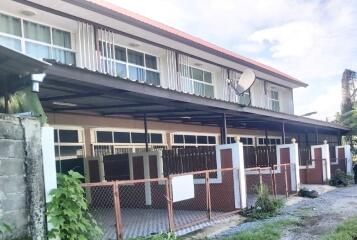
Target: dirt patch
{"x": 221, "y": 226}
{"x": 322, "y": 215}
{"x": 316, "y": 217}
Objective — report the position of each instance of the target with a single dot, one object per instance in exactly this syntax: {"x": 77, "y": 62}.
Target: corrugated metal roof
{"x": 16, "y": 63}
{"x": 142, "y": 87}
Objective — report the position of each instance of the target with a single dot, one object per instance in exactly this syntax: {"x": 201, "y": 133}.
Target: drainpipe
{"x": 224, "y": 129}
{"x": 283, "y": 133}
{"x": 146, "y": 134}
{"x": 6, "y": 97}
{"x": 317, "y": 135}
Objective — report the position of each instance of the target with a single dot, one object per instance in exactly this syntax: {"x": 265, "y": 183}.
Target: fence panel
{"x": 282, "y": 179}
{"x": 260, "y": 156}
{"x": 138, "y": 208}
{"x": 305, "y": 156}
{"x": 183, "y": 160}
{"x": 194, "y": 210}
{"x": 223, "y": 193}
{"x": 144, "y": 207}
{"x": 100, "y": 197}
{"x": 255, "y": 178}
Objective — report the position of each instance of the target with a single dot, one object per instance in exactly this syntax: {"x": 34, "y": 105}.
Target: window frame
{"x": 24, "y": 39}
{"x": 127, "y": 63}
{"x": 271, "y": 99}
{"x": 196, "y": 134}
{"x": 269, "y": 137}
{"x": 244, "y": 136}
{"x": 132, "y": 146}
{"x": 192, "y": 80}
{"x": 81, "y": 141}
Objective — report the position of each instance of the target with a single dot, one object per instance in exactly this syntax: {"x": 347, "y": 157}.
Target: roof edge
{"x": 114, "y": 11}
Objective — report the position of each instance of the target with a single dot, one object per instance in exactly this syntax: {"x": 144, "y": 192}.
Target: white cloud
{"x": 295, "y": 39}
{"x": 326, "y": 104}
{"x": 311, "y": 40}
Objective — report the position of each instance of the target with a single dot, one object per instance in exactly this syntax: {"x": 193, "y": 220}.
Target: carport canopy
{"x": 68, "y": 89}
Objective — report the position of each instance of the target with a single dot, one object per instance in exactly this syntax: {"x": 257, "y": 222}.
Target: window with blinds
{"x": 36, "y": 40}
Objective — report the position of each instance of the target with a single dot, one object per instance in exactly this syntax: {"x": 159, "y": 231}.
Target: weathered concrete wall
{"x": 21, "y": 177}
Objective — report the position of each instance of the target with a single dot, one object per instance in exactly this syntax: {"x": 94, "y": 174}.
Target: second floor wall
{"x": 97, "y": 49}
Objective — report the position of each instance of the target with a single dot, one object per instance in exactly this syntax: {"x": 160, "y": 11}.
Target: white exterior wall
{"x": 83, "y": 43}
{"x": 169, "y": 77}
{"x": 260, "y": 97}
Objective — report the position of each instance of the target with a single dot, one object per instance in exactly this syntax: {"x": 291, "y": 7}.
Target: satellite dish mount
{"x": 246, "y": 80}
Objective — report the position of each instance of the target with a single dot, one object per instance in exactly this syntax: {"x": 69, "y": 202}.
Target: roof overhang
{"x": 68, "y": 89}
{"x": 15, "y": 69}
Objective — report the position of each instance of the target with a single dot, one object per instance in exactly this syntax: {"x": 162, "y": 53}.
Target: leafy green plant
{"x": 68, "y": 211}
{"x": 4, "y": 228}
{"x": 265, "y": 205}
{"x": 162, "y": 236}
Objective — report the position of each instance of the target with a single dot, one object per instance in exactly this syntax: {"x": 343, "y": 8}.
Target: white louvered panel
{"x": 171, "y": 74}
{"x": 86, "y": 46}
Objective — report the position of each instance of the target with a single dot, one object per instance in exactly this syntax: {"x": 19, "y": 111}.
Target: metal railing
{"x": 260, "y": 156}
{"x": 135, "y": 208}
{"x": 277, "y": 180}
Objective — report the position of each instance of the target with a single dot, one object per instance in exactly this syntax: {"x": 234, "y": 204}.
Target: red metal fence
{"x": 277, "y": 179}
{"x": 134, "y": 208}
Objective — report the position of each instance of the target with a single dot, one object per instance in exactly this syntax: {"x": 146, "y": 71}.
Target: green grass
{"x": 162, "y": 236}
{"x": 346, "y": 231}
{"x": 269, "y": 231}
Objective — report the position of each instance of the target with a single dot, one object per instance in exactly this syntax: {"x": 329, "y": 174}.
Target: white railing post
{"x": 295, "y": 165}
{"x": 49, "y": 163}
{"x": 348, "y": 156}
{"x": 49, "y": 160}
{"x": 326, "y": 167}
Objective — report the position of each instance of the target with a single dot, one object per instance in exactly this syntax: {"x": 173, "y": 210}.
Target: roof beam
{"x": 72, "y": 96}
{"x": 136, "y": 112}
{"x": 133, "y": 105}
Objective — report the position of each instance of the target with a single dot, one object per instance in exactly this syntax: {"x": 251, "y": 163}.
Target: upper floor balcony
{"x": 118, "y": 54}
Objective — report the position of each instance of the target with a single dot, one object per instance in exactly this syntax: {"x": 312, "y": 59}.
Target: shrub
{"x": 68, "y": 211}
{"x": 339, "y": 179}
{"x": 265, "y": 206}
{"x": 162, "y": 236}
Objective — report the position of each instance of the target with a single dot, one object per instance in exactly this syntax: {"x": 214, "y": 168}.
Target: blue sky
{"x": 313, "y": 41}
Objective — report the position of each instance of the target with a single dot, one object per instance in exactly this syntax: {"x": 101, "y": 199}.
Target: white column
{"x": 326, "y": 155}
{"x": 348, "y": 156}
{"x": 295, "y": 170}
{"x": 49, "y": 163}
{"x": 239, "y": 162}
{"x": 49, "y": 160}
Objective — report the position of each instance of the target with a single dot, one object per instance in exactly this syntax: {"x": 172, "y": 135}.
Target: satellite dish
{"x": 245, "y": 81}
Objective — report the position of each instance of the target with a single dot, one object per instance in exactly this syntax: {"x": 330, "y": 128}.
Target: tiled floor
{"x": 144, "y": 222}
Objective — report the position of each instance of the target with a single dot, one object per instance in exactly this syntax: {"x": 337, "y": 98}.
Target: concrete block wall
{"x": 13, "y": 197}
{"x": 21, "y": 177}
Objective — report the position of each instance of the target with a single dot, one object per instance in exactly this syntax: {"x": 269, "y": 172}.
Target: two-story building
{"x": 119, "y": 82}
